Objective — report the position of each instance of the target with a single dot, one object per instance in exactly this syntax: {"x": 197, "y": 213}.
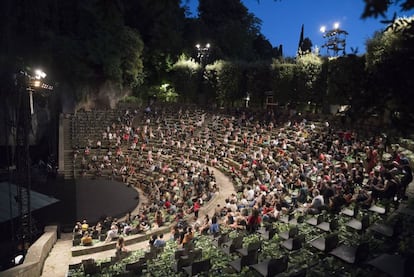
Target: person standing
{"x": 121, "y": 250}
{"x": 188, "y": 236}
{"x": 196, "y": 208}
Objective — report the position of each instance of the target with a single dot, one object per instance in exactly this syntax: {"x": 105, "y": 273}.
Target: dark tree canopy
{"x": 133, "y": 44}
{"x": 375, "y": 8}
{"x": 234, "y": 32}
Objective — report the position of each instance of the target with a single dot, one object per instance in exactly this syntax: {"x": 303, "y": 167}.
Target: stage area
{"x": 96, "y": 199}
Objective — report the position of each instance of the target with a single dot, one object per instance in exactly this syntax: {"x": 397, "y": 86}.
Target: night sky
{"x": 282, "y": 21}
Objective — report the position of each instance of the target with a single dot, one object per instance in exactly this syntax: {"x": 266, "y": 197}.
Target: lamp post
{"x": 27, "y": 83}
{"x": 335, "y": 39}
{"x": 247, "y": 99}
{"x": 35, "y": 82}
{"x": 203, "y": 52}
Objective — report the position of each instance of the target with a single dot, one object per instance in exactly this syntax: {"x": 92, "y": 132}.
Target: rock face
{"x": 39, "y": 127}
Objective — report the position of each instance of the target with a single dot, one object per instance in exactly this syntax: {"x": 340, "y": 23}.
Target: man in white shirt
{"x": 317, "y": 203}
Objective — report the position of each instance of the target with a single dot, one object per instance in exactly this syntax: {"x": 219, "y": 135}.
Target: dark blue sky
{"x": 282, "y": 21}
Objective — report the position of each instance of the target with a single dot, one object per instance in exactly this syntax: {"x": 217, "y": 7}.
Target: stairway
{"x": 68, "y": 172}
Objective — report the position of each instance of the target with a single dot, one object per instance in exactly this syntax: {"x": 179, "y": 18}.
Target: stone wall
{"x": 35, "y": 257}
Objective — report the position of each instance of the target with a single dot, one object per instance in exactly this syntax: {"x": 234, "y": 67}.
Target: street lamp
{"x": 247, "y": 99}
{"x": 36, "y": 82}
{"x": 27, "y": 82}
{"x": 335, "y": 39}
{"x": 203, "y": 52}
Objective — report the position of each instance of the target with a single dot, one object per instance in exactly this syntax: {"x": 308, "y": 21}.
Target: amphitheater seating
{"x": 351, "y": 254}
{"x": 271, "y": 267}
{"x": 330, "y": 226}
{"x": 326, "y": 243}
{"x": 198, "y": 267}
{"x": 231, "y": 163}
{"x": 252, "y": 247}
{"x": 392, "y": 265}
{"x": 245, "y": 260}
{"x": 233, "y": 245}
{"x": 294, "y": 243}
{"x": 359, "y": 225}
{"x": 291, "y": 233}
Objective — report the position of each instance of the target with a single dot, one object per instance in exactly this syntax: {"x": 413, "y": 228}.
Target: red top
{"x": 196, "y": 206}
{"x": 254, "y": 220}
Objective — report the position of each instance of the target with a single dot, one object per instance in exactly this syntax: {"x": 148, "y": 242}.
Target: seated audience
{"x": 159, "y": 242}
{"x": 86, "y": 239}
{"x": 317, "y": 203}
{"x": 112, "y": 233}
{"x": 214, "y": 227}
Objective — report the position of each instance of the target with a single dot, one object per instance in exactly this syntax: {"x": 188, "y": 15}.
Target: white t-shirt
{"x": 250, "y": 195}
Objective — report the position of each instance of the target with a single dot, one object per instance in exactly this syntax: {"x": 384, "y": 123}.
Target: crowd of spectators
{"x": 278, "y": 163}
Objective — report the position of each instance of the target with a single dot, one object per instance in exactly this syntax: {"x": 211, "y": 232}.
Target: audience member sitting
{"x": 205, "y": 225}
{"x": 112, "y": 234}
{"x": 363, "y": 198}
{"x": 159, "y": 242}
{"x": 267, "y": 211}
{"x": 86, "y": 239}
{"x": 144, "y": 226}
{"x": 175, "y": 233}
{"x": 214, "y": 226}
{"x": 316, "y": 204}
{"x": 159, "y": 218}
{"x": 98, "y": 228}
{"x": 127, "y": 229}
{"x": 188, "y": 236}
{"x": 85, "y": 226}
{"x": 152, "y": 240}
{"x": 77, "y": 229}
{"x": 253, "y": 221}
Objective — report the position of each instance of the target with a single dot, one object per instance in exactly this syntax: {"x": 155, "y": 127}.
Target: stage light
{"x": 40, "y": 74}
{"x": 37, "y": 83}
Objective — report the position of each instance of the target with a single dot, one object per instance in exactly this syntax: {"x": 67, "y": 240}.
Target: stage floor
{"x": 96, "y": 199}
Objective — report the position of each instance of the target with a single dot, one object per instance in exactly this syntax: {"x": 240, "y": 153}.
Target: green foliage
{"x": 375, "y": 8}
{"x": 164, "y": 93}
{"x": 282, "y": 81}
{"x": 131, "y": 58}
{"x": 161, "y": 26}
{"x": 186, "y": 77}
{"x": 131, "y": 100}
{"x": 167, "y": 93}
{"x": 301, "y": 81}
{"x": 226, "y": 79}
{"x": 309, "y": 67}
{"x": 389, "y": 69}
{"x": 346, "y": 77}
{"x": 136, "y": 45}
{"x": 234, "y": 32}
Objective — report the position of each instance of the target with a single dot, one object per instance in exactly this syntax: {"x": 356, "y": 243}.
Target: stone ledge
{"x": 36, "y": 256}
{"x": 103, "y": 246}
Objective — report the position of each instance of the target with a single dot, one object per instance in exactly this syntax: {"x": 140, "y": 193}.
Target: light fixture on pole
{"x": 247, "y": 99}
{"x": 335, "y": 39}
{"x": 36, "y": 82}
